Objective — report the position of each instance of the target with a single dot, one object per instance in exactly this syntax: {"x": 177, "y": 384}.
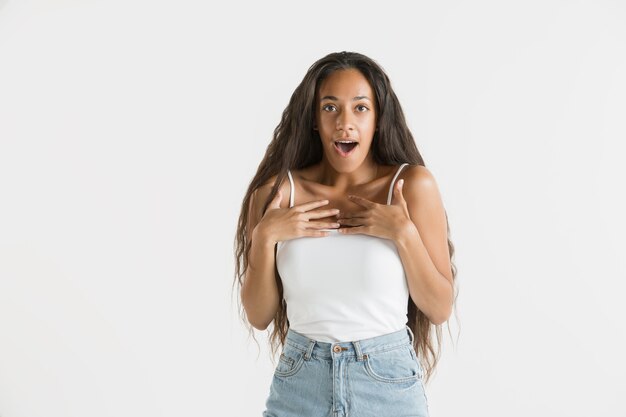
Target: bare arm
{"x": 423, "y": 247}
{"x": 259, "y": 293}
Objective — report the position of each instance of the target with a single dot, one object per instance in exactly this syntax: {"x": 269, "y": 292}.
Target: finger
{"x": 362, "y": 201}
{"x": 353, "y": 221}
{"x": 352, "y": 230}
{"x": 322, "y": 225}
{"x": 322, "y": 213}
{"x": 315, "y": 233}
{"x": 310, "y": 205}
{"x": 275, "y": 203}
{"x": 398, "y": 197}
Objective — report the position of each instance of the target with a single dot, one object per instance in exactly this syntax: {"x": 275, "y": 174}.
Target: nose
{"x": 344, "y": 121}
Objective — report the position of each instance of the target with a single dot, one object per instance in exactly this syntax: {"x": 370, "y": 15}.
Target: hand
{"x": 380, "y": 220}
{"x": 279, "y": 224}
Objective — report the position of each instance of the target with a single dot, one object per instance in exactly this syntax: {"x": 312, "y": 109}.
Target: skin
{"x": 351, "y": 193}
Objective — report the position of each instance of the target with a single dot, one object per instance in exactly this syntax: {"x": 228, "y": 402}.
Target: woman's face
{"x": 346, "y": 112}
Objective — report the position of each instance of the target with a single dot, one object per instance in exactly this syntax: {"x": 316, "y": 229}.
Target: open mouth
{"x": 345, "y": 147}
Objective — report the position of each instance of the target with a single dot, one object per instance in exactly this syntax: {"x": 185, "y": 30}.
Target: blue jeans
{"x": 375, "y": 377}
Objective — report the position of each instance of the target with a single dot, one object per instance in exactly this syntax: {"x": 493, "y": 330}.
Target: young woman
{"x": 342, "y": 245}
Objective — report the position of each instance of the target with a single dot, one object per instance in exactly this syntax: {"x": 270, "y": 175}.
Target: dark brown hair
{"x": 296, "y": 145}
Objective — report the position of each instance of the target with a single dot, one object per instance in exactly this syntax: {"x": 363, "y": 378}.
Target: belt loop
{"x": 309, "y": 351}
{"x": 411, "y": 333}
{"x": 357, "y": 349}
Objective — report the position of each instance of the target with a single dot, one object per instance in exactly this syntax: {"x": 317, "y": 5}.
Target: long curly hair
{"x": 296, "y": 145}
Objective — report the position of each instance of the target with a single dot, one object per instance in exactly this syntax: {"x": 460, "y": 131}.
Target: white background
{"x": 129, "y": 132}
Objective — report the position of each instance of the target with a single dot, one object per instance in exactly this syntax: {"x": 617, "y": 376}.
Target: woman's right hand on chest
{"x": 280, "y": 224}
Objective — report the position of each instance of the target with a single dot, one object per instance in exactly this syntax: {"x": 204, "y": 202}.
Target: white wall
{"x": 129, "y": 131}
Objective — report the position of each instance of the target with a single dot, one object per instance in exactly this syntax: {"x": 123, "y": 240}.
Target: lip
{"x": 345, "y": 154}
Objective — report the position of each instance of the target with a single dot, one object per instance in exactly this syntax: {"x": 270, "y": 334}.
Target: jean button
{"x": 337, "y": 349}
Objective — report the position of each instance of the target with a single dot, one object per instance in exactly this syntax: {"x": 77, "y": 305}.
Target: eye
{"x": 362, "y": 108}
{"x": 328, "y": 107}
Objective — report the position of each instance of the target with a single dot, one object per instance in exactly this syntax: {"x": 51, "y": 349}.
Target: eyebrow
{"x": 354, "y": 99}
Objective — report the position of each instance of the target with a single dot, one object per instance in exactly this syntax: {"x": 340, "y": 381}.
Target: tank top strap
{"x": 292, "y": 189}
{"x": 393, "y": 181}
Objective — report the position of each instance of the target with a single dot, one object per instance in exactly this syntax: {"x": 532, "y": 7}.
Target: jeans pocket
{"x": 419, "y": 365}
{"x": 396, "y": 365}
{"x": 290, "y": 361}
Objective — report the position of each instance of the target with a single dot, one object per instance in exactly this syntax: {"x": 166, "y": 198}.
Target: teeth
{"x": 346, "y": 141}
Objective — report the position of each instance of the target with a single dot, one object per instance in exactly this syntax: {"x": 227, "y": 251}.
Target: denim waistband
{"x": 355, "y": 348}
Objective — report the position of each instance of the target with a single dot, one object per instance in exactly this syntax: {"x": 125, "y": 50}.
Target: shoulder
{"x": 261, "y": 194}
{"x": 419, "y": 184}
{"x": 417, "y": 174}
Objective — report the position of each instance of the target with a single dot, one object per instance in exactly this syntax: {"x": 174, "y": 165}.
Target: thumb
{"x": 276, "y": 200}
{"x": 397, "y": 192}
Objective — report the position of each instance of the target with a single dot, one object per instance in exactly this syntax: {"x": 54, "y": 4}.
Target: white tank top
{"x": 343, "y": 287}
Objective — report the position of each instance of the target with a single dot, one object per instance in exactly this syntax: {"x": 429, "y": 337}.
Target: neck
{"x": 345, "y": 177}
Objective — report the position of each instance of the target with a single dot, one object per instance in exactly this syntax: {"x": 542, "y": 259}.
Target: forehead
{"x": 346, "y": 83}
